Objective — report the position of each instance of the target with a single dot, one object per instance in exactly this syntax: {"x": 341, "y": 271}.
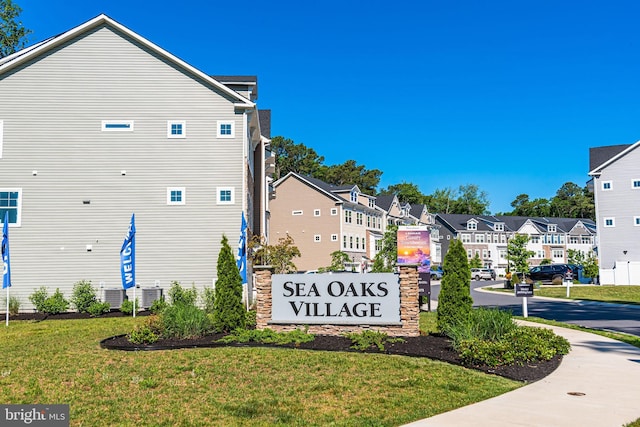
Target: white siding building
{"x": 616, "y": 184}
{"x": 98, "y": 123}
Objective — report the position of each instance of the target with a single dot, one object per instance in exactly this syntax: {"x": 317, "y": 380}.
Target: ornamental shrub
{"x": 185, "y": 321}
{"x": 98, "y": 308}
{"x": 522, "y": 345}
{"x": 158, "y": 306}
{"x": 56, "y": 303}
{"x": 148, "y": 332}
{"x": 14, "y": 304}
{"x": 179, "y": 295}
{"x": 83, "y": 296}
{"x": 489, "y": 324}
{"x": 454, "y": 301}
{"x": 368, "y": 339}
{"x": 127, "y": 306}
{"x": 38, "y": 298}
{"x": 229, "y": 312}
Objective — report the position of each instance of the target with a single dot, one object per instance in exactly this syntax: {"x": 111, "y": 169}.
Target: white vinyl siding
{"x": 1, "y": 136}
{"x": 117, "y": 125}
{"x": 57, "y": 131}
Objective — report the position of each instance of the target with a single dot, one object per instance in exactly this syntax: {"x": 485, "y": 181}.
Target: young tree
{"x": 454, "y": 301}
{"x": 279, "y": 256}
{"x": 518, "y": 255}
{"x": 387, "y": 257}
{"x": 12, "y": 33}
{"x": 338, "y": 261}
{"x": 475, "y": 262}
{"x": 228, "y": 310}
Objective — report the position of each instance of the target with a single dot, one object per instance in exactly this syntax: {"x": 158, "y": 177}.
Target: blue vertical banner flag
{"x": 242, "y": 251}
{"x": 128, "y": 257}
{"x": 6, "y": 264}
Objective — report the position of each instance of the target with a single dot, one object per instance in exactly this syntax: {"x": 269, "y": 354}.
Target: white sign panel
{"x": 338, "y": 299}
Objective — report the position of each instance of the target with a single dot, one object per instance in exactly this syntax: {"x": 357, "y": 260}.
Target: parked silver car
{"x": 483, "y": 273}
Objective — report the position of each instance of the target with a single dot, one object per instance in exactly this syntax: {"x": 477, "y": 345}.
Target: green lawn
{"x": 61, "y": 362}
{"x": 608, "y": 293}
{"x": 615, "y": 294}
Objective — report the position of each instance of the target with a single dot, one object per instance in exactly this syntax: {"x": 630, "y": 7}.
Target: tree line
{"x": 570, "y": 201}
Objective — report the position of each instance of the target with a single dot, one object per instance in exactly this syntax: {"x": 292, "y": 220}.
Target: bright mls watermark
{"x": 34, "y": 415}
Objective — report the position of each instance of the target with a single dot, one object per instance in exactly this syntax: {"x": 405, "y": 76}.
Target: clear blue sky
{"x": 508, "y": 95}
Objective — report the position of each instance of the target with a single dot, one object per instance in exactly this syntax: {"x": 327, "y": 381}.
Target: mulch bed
{"x": 432, "y": 346}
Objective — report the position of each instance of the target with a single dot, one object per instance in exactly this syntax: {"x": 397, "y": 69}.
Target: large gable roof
{"x": 601, "y": 157}
{"x": 29, "y": 53}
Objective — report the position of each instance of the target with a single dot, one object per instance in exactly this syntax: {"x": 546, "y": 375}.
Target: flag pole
{"x": 134, "y": 301}
{"x": 7, "y": 315}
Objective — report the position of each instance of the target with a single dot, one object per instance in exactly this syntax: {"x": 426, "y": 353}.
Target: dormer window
{"x": 472, "y": 225}
{"x": 552, "y": 228}
{"x": 354, "y": 196}
{"x": 499, "y": 227}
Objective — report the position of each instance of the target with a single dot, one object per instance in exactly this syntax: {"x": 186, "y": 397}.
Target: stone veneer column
{"x": 409, "y": 307}
{"x": 263, "y": 295}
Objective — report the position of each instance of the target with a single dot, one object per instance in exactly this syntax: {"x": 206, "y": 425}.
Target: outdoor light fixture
{"x": 624, "y": 252}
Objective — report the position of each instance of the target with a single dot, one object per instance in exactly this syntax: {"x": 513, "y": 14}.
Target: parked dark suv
{"x": 551, "y": 273}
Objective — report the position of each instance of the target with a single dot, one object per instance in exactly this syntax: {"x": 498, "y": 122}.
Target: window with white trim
{"x": 465, "y": 237}
{"x": 635, "y": 183}
{"x": 11, "y": 201}
{"x": 334, "y": 237}
{"x": 176, "y": 196}
{"x": 557, "y": 254}
{"x": 347, "y": 217}
{"x": 607, "y": 185}
{"x": 359, "y": 216}
{"x": 350, "y": 242}
{"x": 469, "y": 253}
{"x": 609, "y": 222}
{"x": 117, "y": 125}
{"x": 176, "y": 129}
{"x": 499, "y": 227}
{"x": 225, "y": 196}
{"x": 472, "y": 225}
{"x": 316, "y": 238}
{"x": 552, "y": 228}
{"x": 354, "y": 196}
{"x": 479, "y": 238}
{"x": 296, "y": 213}
{"x": 344, "y": 242}
{"x": 334, "y": 211}
{"x": 226, "y": 129}
{"x": 316, "y": 212}
{"x": 636, "y": 221}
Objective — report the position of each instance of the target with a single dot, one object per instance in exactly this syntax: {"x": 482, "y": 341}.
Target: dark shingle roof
{"x": 265, "y": 123}
{"x": 600, "y": 155}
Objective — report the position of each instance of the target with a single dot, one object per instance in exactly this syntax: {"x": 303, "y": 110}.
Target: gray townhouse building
{"x": 487, "y": 236}
{"x": 99, "y": 123}
{"x": 615, "y": 179}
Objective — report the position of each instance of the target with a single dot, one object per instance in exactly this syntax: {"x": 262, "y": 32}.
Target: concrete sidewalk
{"x": 596, "y": 384}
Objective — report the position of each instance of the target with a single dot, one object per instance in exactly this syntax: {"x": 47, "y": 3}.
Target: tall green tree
{"x": 572, "y": 201}
{"x": 406, "y": 192}
{"x": 471, "y": 201}
{"x": 13, "y": 35}
{"x": 292, "y": 157}
{"x": 441, "y": 201}
{"x": 475, "y": 262}
{"x": 522, "y": 206}
{"x": 454, "y": 301}
{"x": 228, "y": 310}
{"x": 351, "y": 173}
